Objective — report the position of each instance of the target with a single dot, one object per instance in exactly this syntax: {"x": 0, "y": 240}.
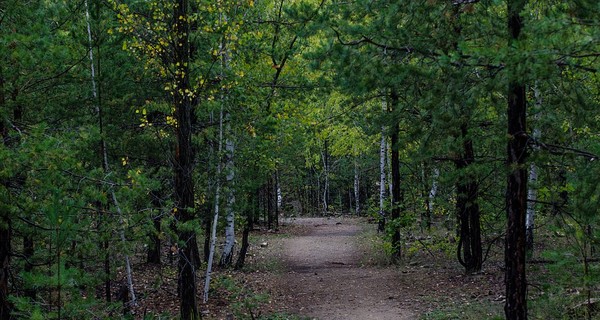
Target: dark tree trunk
{"x": 28, "y": 243}
{"x": 563, "y": 197}
{"x": 5, "y": 228}
{"x": 155, "y": 244}
{"x": 207, "y": 220}
{"x": 5, "y": 240}
{"x": 269, "y": 200}
{"x": 515, "y": 307}
{"x": 250, "y": 213}
{"x": 396, "y": 190}
{"x": 183, "y": 163}
{"x": 153, "y": 255}
{"x": 469, "y": 250}
{"x": 100, "y": 220}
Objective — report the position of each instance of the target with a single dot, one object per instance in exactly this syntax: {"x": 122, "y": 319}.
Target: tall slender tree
{"x": 515, "y": 307}
{"x": 183, "y": 164}
{"x": 5, "y": 225}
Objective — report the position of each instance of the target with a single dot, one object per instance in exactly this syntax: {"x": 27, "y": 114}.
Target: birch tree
{"x": 533, "y": 177}
{"x": 382, "y": 180}
{"x": 104, "y": 153}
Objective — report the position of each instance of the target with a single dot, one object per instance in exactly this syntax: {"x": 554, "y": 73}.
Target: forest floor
{"x": 326, "y": 276}
{"x": 329, "y": 269}
{"x": 334, "y": 268}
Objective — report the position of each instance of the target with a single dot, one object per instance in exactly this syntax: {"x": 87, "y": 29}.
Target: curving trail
{"x": 325, "y": 279}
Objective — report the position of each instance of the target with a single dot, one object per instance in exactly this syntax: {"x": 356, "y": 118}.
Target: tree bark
{"x": 431, "y": 197}
{"x": 532, "y": 191}
{"x": 382, "y": 153}
{"x": 5, "y": 226}
{"x": 515, "y": 307}
{"x": 5, "y": 242}
{"x": 325, "y": 156}
{"x": 532, "y": 198}
{"x": 356, "y": 189}
{"x": 183, "y": 164}
{"x": 227, "y": 256}
{"x": 153, "y": 254}
{"x": 104, "y": 154}
{"x": 396, "y": 190}
{"x": 154, "y": 247}
{"x": 215, "y": 220}
{"x": 469, "y": 251}
{"x": 241, "y": 260}
{"x": 278, "y": 199}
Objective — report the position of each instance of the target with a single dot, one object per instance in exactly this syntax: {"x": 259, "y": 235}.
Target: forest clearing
{"x": 281, "y": 159}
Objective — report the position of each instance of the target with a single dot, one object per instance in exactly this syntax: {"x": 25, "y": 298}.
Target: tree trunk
{"x": 532, "y": 191}
{"x": 431, "y": 197}
{"x": 325, "y": 157}
{"x": 382, "y": 153}
{"x": 104, "y": 155}
{"x": 531, "y": 199}
{"x": 5, "y": 242}
{"x": 269, "y": 202}
{"x": 356, "y": 189}
{"x": 215, "y": 220}
{"x": 396, "y": 201}
{"x": 241, "y": 260}
{"x": 154, "y": 248}
{"x": 207, "y": 216}
{"x": 183, "y": 164}
{"x": 5, "y": 226}
{"x": 227, "y": 257}
{"x": 469, "y": 250}
{"x": 278, "y": 200}
{"x": 515, "y": 307}
{"x": 396, "y": 190}
{"x": 207, "y": 235}
{"x": 153, "y": 255}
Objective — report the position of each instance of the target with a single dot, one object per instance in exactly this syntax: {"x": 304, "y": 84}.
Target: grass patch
{"x": 377, "y": 250}
{"x": 470, "y": 311}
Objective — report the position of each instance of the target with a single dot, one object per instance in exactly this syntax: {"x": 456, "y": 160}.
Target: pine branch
{"x": 561, "y": 150}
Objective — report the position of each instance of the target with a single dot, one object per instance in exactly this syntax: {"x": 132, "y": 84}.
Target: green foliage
{"x": 301, "y": 83}
{"x": 472, "y": 311}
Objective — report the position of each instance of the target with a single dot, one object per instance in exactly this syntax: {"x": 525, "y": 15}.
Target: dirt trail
{"x": 325, "y": 279}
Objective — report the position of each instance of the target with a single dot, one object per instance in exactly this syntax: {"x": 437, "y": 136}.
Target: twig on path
{"x": 426, "y": 248}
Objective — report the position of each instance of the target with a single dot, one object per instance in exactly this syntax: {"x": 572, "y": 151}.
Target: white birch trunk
{"x": 531, "y": 198}
{"x": 326, "y": 173}
{"x": 382, "y": 186}
{"x": 105, "y": 163}
{"x": 227, "y": 256}
{"x": 533, "y": 175}
{"x": 382, "y": 156}
{"x": 356, "y": 189}
{"x": 213, "y": 233}
{"x": 434, "y": 187}
{"x": 389, "y": 168}
{"x": 279, "y": 194}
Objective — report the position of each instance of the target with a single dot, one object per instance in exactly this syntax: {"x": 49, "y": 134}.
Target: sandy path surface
{"x": 325, "y": 278}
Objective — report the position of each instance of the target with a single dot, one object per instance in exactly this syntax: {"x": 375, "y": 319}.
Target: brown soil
{"x": 328, "y": 275}
{"x": 325, "y": 278}
{"x": 320, "y": 268}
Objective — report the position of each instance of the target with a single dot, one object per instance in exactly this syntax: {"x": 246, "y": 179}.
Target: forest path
{"x": 325, "y": 278}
